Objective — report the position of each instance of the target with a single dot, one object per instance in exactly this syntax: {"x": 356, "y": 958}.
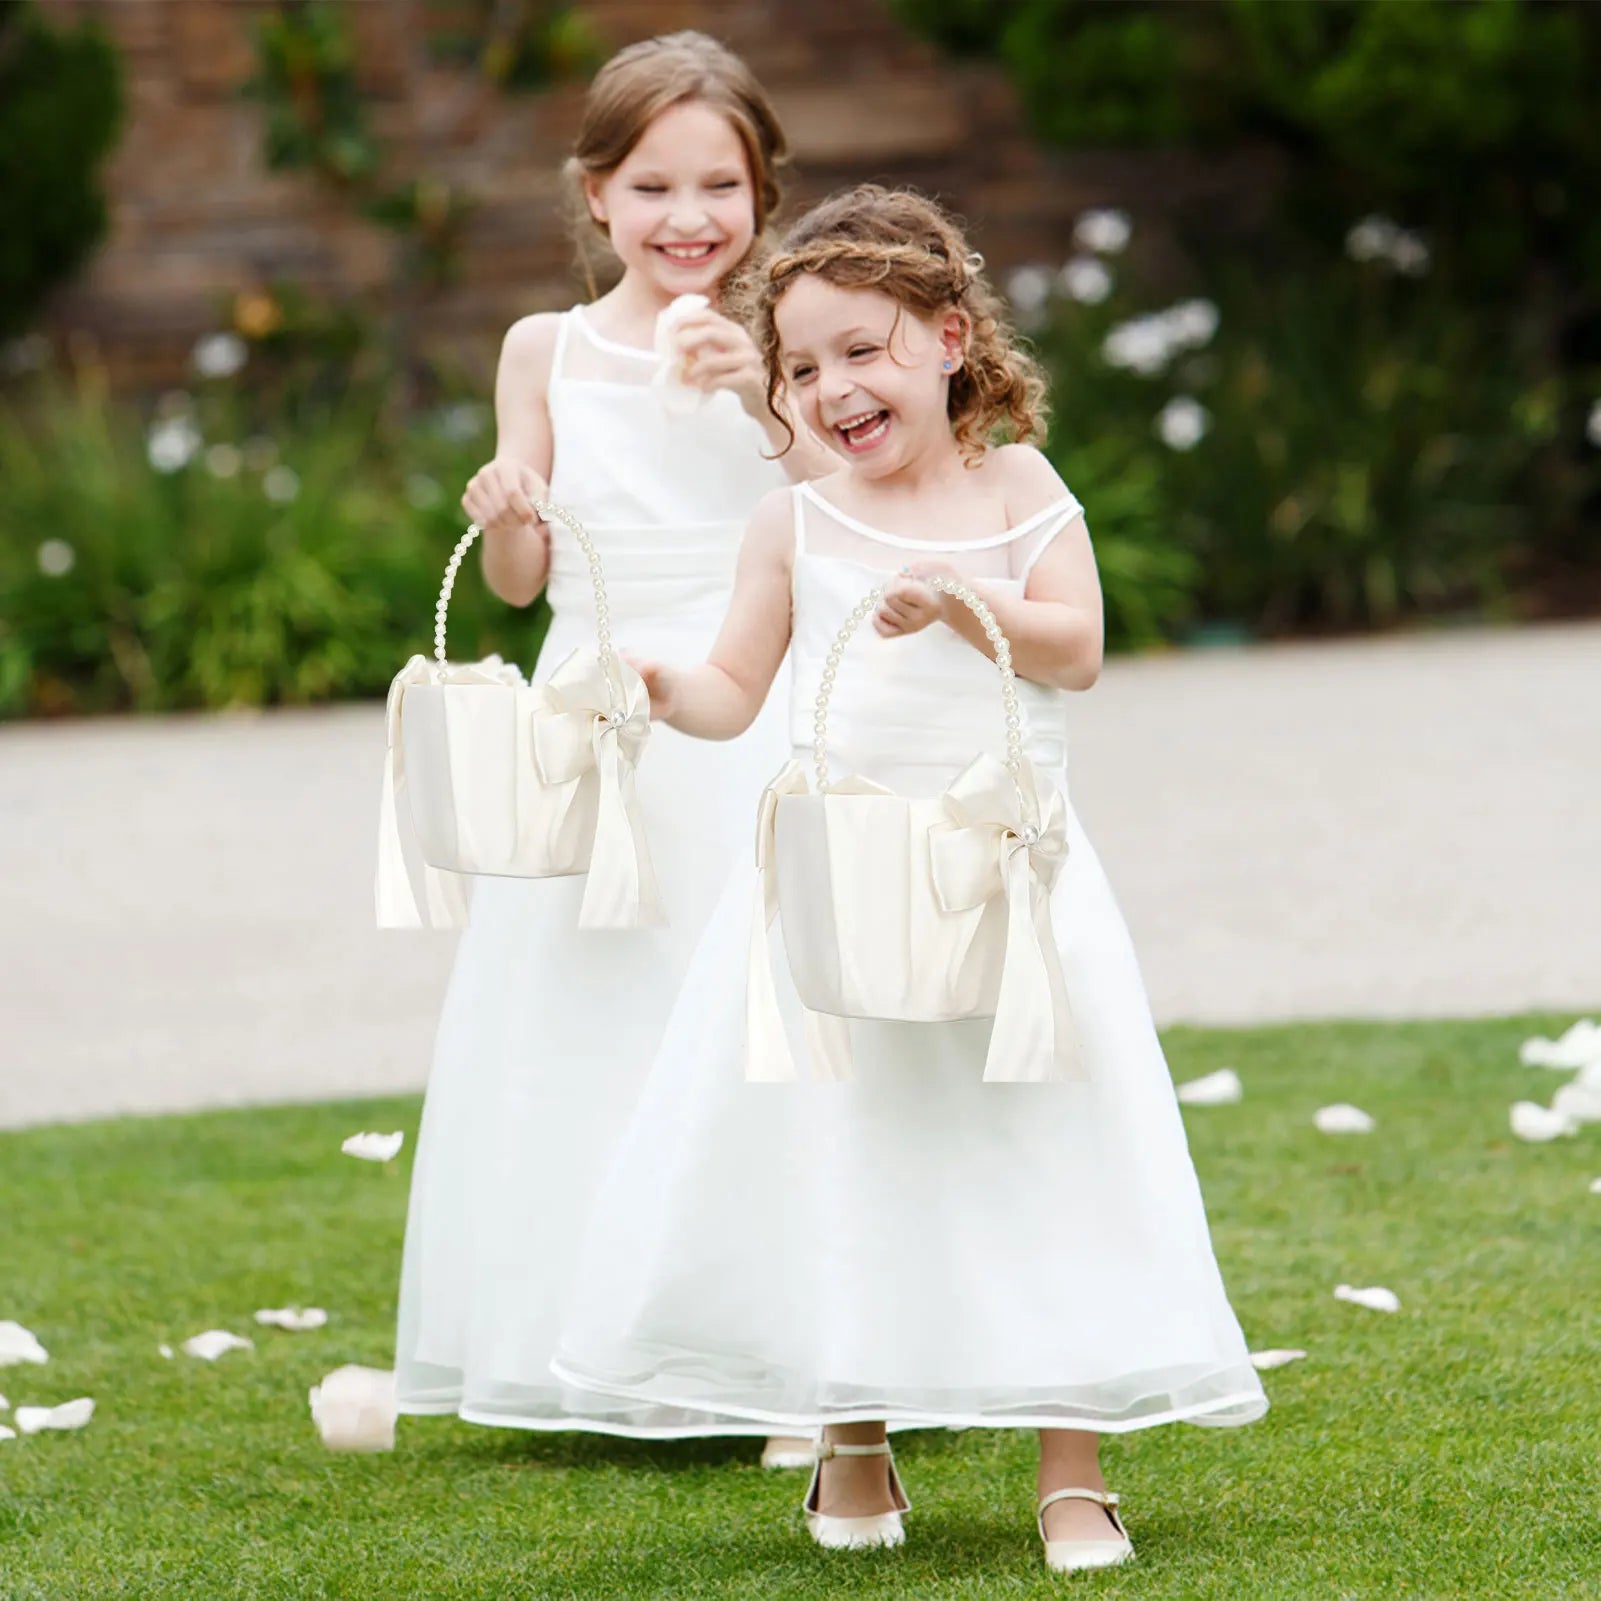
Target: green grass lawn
{"x": 1453, "y": 1450}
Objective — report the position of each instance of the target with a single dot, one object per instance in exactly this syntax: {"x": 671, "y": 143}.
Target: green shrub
{"x": 60, "y": 112}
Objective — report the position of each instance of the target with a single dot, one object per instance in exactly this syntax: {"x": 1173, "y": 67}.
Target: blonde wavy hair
{"x": 905, "y": 246}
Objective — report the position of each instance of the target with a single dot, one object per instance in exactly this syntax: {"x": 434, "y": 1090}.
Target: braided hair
{"x": 902, "y": 244}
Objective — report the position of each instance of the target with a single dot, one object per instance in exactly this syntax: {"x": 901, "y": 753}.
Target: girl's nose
{"x": 687, "y": 215}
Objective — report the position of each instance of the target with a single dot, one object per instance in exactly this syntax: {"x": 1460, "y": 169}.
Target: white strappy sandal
{"x": 1077, "y": 1556}
{"x": 839, "y": 1534}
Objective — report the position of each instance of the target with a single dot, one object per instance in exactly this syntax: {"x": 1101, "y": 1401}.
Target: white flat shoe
{"x": 1078, "y": 1556}
{"x": 783, "y": 1452}
{"x": 841, "y": 1534}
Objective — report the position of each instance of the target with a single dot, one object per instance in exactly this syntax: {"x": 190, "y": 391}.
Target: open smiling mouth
{"x": 689, "y": 255}
{"x": 864, "y": 431}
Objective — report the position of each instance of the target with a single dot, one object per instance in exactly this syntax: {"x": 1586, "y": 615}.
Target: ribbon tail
{"x": 407, "y": 892}
{"x": 621, "y": 890}
{"x": 767, "y": 1055}
{"x": 1032, "y": 1041}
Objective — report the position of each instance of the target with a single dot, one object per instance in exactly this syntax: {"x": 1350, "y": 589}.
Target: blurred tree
{"x": 60, "y": 113}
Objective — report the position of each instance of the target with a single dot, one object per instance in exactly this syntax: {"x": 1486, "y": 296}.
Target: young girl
{"x": 547, "y": 1033}
{"x": 913, "y": 1247}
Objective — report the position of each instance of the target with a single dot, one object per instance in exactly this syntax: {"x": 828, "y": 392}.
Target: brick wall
{"x": 197, "y": 217}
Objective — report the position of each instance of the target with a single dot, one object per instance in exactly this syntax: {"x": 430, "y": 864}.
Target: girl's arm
{"x": 501, "y": 495}
{"x": 1055, "y": 628}
{"x": 720, "y": 698}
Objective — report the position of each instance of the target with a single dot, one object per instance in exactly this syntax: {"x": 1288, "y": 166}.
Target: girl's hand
{"x": 909, "y": 604}
{"x": 716, "y": 353}
{"x": 500, "y": 497}
{"x": 660, "y": 681}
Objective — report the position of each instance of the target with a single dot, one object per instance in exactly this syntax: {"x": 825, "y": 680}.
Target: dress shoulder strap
{"x": 798, "y": 501}
{"x": 558, "y": 358}
{"x": 1051, "y": 521}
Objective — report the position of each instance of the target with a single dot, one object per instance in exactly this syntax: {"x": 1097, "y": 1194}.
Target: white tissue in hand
{"x": 293, "y": 1318}
{"x": 1343, "y": 1118}
{"x": 354, "y": 1409}
{"x": 1375, "y": 1298}
{"x": 1579, "y": 1047}
{"x": 69, "y": 1415}
{"x": 1263, "y": 1360}
{"x": 18, "y": 1344}
{"x": 1222, "y": 1088}
{"x": 677, "y": 396}
{"x": 374, "y": 1147}
{"x": 214, "y": 1343}
{"x": 1531, "y": 1121}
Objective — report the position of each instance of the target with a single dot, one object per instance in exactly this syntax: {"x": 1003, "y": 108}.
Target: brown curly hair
{"x": 904, "y": 245}
{"x": 640, "y": 83}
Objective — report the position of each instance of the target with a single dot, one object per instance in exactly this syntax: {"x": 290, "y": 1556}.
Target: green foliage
{"x": 212, "y": 566}
{"x": 60, "y": 113}
{"x": 1395, "y": 434}
{"x": 518, "y": 44}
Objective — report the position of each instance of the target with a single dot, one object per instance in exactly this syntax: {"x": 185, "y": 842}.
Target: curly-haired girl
{"x": 912, "y": 1246}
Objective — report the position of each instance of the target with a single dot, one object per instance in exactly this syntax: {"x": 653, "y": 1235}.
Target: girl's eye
{"x": 650, "y": 189}
{"x": 862, "y": 350}
{"x": 727, "y": 184}
{"x": 800, "y": 374}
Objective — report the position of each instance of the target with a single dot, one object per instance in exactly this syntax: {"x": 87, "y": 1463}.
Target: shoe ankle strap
{"x": 1101, "y": 1498}
{"x": 826, "y": 1449}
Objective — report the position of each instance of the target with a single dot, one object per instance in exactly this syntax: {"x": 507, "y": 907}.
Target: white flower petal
{"x": 1579, "y": 1047}
{"x": 5, "y": 1405}
{"x": 1343, "y": 1118}
{"x": 18, "y": 1344}
{"x": 165, "y": 1350}
{"x": 214, "y": 1343}
{"x": 293, "y": 1318}
{"x": 1375, "y": 1298}
{"x": 1262, "y": 1361}
{"x": 1191, "y": 323}
{"x": 56, "y": 558}
{"x": 280, "y": 484}
{"x": 7, "y": 1434}
{"x": 220, "y": 355}
{"x": 1182, "y": 423}
{"x": 172, "y": 443}
{"x": 354, "y": 1409}
{"x": 1029, "y": 289}
{"x": 1371, "y": 238}
{"x": 1580, "y": 1103}
{"x": 69, "y": 1415}
{"x": 1409, "y": 255}
{"x": 1222, "y": 1088}
{"x": 1536, "y": 1123}
{"x": 1086, "y": 280}
{"x": 1595, "y": 1186}
{"x": 1103, "y": 230}
{"x": 1143, "y": 345}
{"x": 374, "y": 1147}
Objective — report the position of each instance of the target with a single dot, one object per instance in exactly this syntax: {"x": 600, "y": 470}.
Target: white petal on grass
{"x": 374, "y": 1147}
{"x": 1086, "y": 280}
{"x": 1182, "y": 423}
{"x": 1579, "y": 1047}
{"x": 1537, "y": 1124}
{"x": 5, "y": 1405}
{"x": 1262, "y": 1361}
{"x": 165, "y": 1350}
{"x": 7, "y": 1434}
{"x": 220, "y": 355}
{"x": 280, "y": 485}
{"x": 1595, "y": 1186}
{"x": 354, "y": 1409}
{"x": 69, "y": 1415}
{"x": 292, "y": 1318}
{"x": 1580, "y": 1102}
{"x": 214, "y": 1343}
{"x": 18, "y": 1344}
{"x": 1343, "y": 1118}
{"x": 56, "y": 558}
{"x": 1375, "y": 1297}
{"x": 1222, "y": 1088}
{"x": 1104, "y": 230}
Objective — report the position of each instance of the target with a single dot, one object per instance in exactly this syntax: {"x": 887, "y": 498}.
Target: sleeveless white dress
{"x": 913, "y": 1245}
{"x": 547, "y": 1033}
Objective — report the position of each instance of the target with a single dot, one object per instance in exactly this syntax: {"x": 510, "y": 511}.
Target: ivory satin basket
{"x": 916, "y": 910}
{"x": 487, "y": 775}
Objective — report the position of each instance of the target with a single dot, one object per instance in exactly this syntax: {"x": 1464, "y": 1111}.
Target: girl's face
{"x": 870, "y": 378}
{"x": 680, "y": 209}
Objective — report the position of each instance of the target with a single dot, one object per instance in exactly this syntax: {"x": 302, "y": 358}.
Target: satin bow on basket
{"x": 586, "y": 720}
{"x": 990, "y": 846}
{"x": 408, "y": 892}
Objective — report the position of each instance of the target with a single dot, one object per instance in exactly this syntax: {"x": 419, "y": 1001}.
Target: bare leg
{"x": 1071, "y": 1459}
{"x": 855, "y": 1486}
{"x": 787, "y": 1445}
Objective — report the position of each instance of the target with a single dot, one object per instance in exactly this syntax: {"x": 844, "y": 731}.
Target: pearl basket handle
{"x": 992, "y": 630}
{"x": 548, "y": 510}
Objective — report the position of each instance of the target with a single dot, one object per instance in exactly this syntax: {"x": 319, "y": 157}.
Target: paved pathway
{"x": 1406, "y": 827}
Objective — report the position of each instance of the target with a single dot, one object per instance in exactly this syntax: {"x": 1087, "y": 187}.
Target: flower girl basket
{"x": 486, "y": 774}
{"x": 914, "y": 910}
